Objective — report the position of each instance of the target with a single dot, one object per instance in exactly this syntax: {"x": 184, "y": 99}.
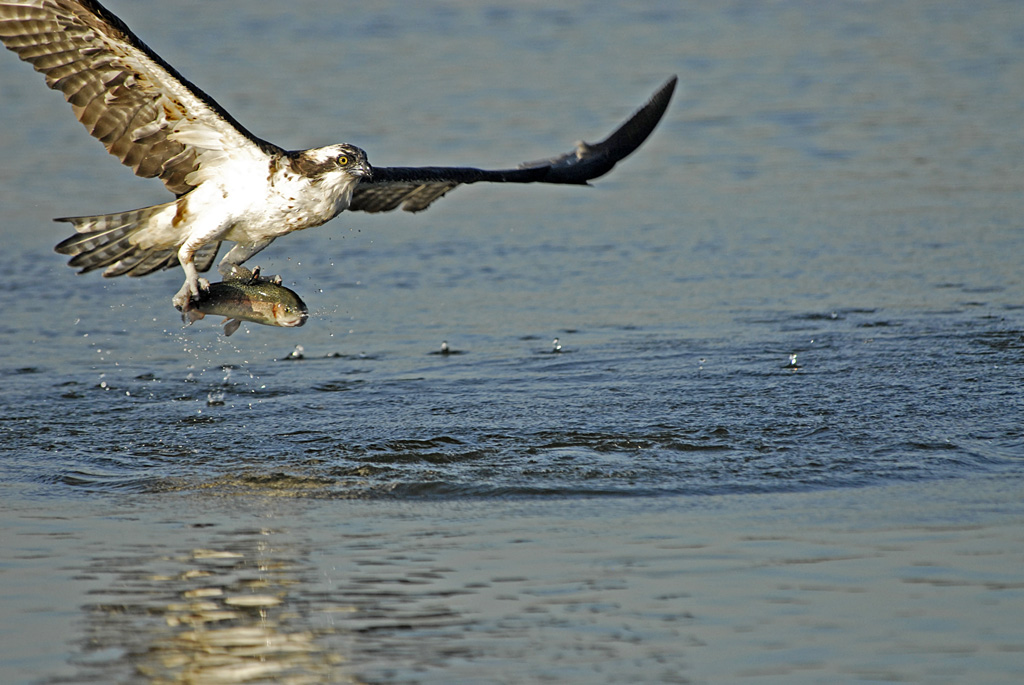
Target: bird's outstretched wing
{"x": 137, "y": 105}
{"x": 415, "y": 188}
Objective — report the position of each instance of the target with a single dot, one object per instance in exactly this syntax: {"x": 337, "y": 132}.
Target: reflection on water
{"x": 915, "y": 586}
{"x": 207, "y": 616}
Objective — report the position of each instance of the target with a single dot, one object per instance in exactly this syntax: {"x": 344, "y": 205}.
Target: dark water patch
{"x": 303, "y": 437}
{"x": 784, "y": 318}
{"x": 819, "y": 316}
{"x": 983, "y": 289}
{"x": 198, "y": 420}
{"x": 1001, "y": 341}
{"x": 417, "y": 445}
{"x": 626, "y": 417}
{"x": 571, "y": 464}
{"x": 338, "y": 386}
{"x": 600, "y": 442}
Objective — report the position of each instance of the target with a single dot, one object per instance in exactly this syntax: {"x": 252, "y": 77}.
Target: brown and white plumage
{"x": 228, "y": 183}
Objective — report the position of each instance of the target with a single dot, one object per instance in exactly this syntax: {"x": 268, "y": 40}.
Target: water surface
{"x": 671, "y": 497}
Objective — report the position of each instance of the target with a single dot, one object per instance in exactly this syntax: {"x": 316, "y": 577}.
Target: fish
{"x": 249, "y": 297}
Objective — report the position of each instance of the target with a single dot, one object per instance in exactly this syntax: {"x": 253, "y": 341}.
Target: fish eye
{"x": 343, "y": 160}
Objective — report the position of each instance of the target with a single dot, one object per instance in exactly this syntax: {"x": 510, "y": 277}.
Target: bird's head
{"x": 333, "y": 165}
{"x": 334, "y": 171}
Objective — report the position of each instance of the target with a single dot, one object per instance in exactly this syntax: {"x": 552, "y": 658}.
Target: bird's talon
{"x": 190, "y": 291}
{"x": 257, "y": 278}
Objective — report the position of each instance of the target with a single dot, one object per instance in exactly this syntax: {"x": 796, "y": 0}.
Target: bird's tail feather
{"x": 106, "y": 241}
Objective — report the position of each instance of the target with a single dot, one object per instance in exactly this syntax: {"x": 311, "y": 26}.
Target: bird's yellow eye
{"x": 343, "y": 161}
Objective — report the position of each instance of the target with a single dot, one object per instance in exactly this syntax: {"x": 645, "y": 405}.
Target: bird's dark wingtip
{"x": 628, "y": 137}
{"x": 592, "y": 161}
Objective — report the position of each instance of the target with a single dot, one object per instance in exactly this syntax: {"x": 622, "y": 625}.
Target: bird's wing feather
{"x": 415, "y": 188}
{"x": 137, "y": 105}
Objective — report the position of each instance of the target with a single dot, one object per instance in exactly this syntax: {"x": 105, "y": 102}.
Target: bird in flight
{"x": 229, "y": 185}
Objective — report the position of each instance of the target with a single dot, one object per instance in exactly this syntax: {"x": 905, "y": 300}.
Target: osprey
{"x": 229, "y": 185}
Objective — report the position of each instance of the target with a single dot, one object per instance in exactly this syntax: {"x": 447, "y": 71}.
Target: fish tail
{"x": 109, "y": 241}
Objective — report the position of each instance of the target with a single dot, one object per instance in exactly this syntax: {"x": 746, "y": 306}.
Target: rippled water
{"x": 671, "y": 497}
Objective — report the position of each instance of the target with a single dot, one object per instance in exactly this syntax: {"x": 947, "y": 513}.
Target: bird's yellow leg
{"x": 193, "y": 283}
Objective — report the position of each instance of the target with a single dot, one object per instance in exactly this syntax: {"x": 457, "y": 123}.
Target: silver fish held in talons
{"x": 256, "y": 300}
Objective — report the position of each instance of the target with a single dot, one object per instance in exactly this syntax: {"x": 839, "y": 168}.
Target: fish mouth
{"x": 290, "y": 319}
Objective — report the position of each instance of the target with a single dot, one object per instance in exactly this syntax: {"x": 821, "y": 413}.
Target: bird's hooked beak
{"x": 365, "y": 171}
